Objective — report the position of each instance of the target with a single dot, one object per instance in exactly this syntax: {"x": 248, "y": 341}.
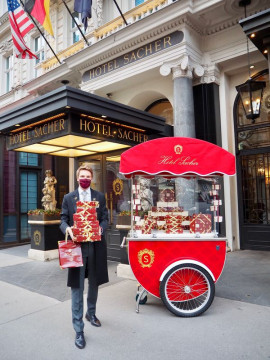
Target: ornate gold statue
{"x": 48, "y": 199}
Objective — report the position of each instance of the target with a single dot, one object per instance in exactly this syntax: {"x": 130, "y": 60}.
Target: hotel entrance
{"x": 67, "y": 127}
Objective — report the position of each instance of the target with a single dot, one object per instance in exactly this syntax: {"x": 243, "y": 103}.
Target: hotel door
{"x": 116, "y": 188}
{"x": 253, "y": 172}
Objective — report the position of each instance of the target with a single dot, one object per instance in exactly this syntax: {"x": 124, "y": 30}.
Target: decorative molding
{"x": 6, "y": 47}
{"x": 211, "y": 74}
{"x": 235, "y": 14}
{"x": 4, "y": 18}
{"x": 183, "y": 67}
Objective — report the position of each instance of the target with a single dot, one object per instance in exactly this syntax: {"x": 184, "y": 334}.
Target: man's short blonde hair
{"x": 84, "y": 166}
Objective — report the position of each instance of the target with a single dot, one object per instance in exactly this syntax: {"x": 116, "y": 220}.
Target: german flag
{"x": 40, "y": 10}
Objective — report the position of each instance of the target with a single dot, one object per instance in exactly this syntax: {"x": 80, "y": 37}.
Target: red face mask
{"x": 85, "y": 183}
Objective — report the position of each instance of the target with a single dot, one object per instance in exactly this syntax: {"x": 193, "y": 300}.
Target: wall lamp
{"x": 251, "y": 91}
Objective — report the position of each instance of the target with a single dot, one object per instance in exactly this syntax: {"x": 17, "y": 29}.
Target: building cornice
{"x": 98, "y": 54}
{"x": 4, "y": 18}
{"x": 234, "y": 14}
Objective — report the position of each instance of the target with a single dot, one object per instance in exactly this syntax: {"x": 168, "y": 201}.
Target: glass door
{"x": 253, "y": 169}
{"x": 118, "y": 202}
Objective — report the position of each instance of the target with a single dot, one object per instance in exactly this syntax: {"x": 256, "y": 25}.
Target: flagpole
{"x": 73, "y": 18}
{"x": 41, "y": 33}
{"x": 120, "y": 12}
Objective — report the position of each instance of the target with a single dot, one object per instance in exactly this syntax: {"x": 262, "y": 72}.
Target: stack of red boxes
{"x": 149, "y": 224}
{"x": 86, "y": 225}
{"x": 174, "y": 224}
{"x": 201, "y": 223}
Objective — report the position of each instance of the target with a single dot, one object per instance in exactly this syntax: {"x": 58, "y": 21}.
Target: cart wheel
{"x": 143, "y": 300}
{"x": 187, "y": 290}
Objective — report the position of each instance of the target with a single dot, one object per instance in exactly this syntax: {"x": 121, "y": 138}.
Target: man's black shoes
{"x": 80, "y": 340}
{"x": 93, "y": 320}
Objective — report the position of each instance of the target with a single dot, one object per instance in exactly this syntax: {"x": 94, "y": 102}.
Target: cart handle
{"x": 123, "y": 242}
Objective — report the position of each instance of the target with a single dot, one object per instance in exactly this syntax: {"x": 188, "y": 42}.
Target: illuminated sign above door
{"x": 74, "y": 135}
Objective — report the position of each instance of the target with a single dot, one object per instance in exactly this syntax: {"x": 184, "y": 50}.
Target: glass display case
{"x": 174, "y": 207}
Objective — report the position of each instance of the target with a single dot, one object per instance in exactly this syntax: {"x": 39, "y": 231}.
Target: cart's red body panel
{"x": 148, "y": 259}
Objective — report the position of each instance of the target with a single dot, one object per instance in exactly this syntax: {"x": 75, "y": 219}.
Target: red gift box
{"x": 86, "y": 224}
{"x": 149, "y": 225}
{"x": 85, "y": 230}
{"x": 94, "y": 236}
{"x": 84, "y": 217}
{"x": 174, "y": 224}
{"x": 174, "y": 218}
{"x": 90, "y": 210}
{"x": 201, "y": 223}
{"x": 87, "y": 204}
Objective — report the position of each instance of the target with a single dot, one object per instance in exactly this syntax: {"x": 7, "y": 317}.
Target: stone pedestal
{"x": 44, "y": 239}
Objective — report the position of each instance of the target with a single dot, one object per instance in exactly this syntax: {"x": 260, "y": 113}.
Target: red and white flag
{"x": 20, "y": 25}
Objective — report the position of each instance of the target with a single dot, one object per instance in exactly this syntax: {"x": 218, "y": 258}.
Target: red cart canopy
{"x": 174, "y": 156}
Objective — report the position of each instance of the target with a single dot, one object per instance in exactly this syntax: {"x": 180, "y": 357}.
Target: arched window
{"x": 162, "y": 108}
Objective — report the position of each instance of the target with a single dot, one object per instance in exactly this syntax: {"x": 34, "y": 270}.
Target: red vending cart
{"x": 176, "y": 250}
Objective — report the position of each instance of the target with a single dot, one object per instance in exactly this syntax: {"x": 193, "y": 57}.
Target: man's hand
{"x": 70, "y": 233}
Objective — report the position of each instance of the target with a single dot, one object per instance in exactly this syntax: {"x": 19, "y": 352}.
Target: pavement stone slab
{"x": 228, "y": 330}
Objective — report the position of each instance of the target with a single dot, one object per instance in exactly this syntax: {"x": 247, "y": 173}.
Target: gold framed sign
{"x": 118, "y": 186}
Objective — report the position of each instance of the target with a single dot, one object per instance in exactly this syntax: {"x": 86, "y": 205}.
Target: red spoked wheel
{"x": 187, "y": 290}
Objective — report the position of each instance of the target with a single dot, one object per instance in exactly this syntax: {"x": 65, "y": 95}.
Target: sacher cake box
{"x": 149, "y": 225}
{"x": 86, "y": 226}
{"x": 174, "y": 224}
{"x": 201, "y": 223}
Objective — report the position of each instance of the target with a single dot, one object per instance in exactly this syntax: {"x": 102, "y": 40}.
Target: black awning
{"x": 71, "y": 122}
{"x": 66, "y": 99}
{"x": 257, "y": 28}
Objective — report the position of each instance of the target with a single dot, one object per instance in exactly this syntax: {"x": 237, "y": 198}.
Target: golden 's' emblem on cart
{"x": 146, "y": 258}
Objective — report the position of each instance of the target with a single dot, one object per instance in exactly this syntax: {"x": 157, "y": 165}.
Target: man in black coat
{"x": 94, "y": 254}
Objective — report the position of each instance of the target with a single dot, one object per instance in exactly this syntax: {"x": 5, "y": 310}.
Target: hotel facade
{"x": 164, "y": 68}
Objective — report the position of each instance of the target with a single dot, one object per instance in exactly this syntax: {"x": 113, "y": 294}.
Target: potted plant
{"x": 44, "y": 215}
{"x": 124, "y": 218}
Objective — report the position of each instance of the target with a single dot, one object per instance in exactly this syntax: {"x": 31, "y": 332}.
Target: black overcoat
{"x": 68, "y": 209}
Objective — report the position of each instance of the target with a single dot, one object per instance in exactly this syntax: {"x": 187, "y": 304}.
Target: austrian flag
{"x": 20, "y": 25}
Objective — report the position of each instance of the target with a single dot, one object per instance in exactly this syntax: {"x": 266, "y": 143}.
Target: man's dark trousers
{"x": 77, "y": 293}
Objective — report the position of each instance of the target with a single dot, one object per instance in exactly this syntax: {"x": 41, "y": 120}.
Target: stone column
{"x": 183, "y": 71}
